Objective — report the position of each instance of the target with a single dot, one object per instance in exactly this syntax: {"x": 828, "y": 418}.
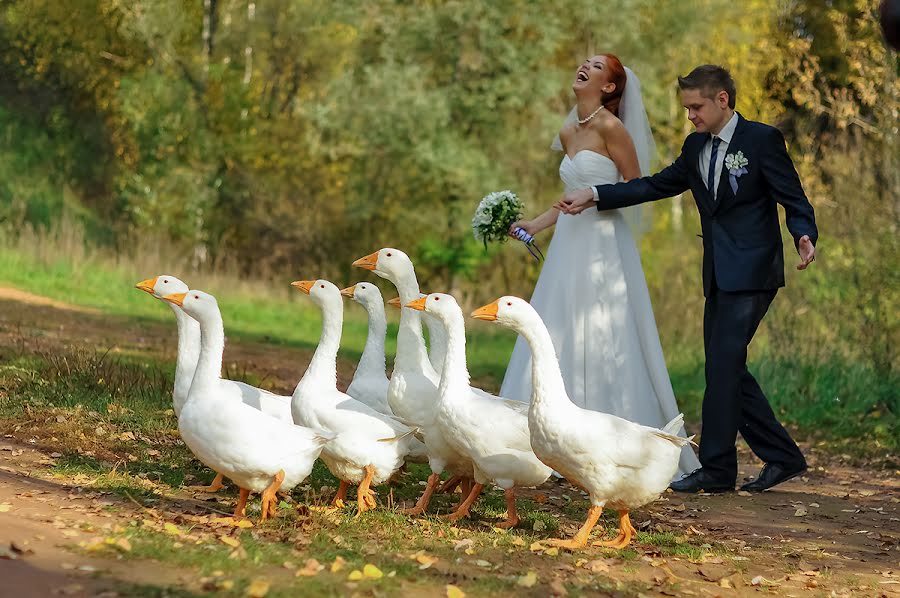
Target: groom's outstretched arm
{"x": 784, "y": 182}
{"x": 668, "y": 182}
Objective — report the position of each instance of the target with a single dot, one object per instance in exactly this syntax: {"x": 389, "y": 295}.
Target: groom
{"x": 737, "y": 171}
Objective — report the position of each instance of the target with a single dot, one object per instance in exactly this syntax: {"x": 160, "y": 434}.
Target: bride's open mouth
{"x": 581, "y": 76}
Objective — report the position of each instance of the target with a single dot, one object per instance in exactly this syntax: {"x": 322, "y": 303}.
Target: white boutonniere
{"x": 736, "y": 164}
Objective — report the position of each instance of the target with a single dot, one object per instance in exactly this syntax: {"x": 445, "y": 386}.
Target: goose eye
{"x": 437, "y": 298}
{"x": 389, "y": 254}
{"x": 165, "y": 281}
{"x": 509, "y": 303}
{"x": 196, "y": 296}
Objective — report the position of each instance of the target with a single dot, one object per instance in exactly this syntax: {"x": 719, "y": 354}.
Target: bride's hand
{"x": 527, "y": 225}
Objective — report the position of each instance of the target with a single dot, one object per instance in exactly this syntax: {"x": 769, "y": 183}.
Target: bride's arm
{"x": 536, "y": 225}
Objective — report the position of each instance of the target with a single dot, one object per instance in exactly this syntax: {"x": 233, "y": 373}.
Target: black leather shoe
{"x": 773, "y": 474}
{"x": 701, "y": 480}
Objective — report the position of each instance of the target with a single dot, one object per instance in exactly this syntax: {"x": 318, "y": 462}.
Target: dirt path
{"x": 835, "y": 532}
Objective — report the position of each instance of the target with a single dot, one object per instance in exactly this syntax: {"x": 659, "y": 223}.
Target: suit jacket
{"x": 741, "y": 235}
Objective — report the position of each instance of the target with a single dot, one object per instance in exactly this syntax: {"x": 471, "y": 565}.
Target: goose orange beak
{"x": 487, "y": 313}
{"x": 348, "y": 292}
{"x": 369, "y": 262}
{"x": 147, "y": 285}
{"x": 303, "y": 285}
{"x": 395, "y": 302}
{"x": 175, "y": 298}
{"x": 418, "y": 304}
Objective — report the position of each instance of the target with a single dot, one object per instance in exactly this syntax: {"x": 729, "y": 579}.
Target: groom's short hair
{"x": 710, "y": 80}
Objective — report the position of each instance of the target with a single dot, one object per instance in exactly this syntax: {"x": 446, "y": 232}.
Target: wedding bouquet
{"x": 496, "y": 212}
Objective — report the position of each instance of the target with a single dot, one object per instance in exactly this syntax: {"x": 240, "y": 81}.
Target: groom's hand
{"x": 807, "y": 252}
{"x": 575, "y": 202}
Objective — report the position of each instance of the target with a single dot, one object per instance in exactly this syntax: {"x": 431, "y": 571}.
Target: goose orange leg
{"x": 450, "y": 485}
{"x": 341, "y": 495}
{"x": 466, "y": 506}
{"x": 579, "y": 540}
{"x": 364, "y": 499}
{"x": 241, "y": 504}
{"x": 465, "y": 489}
{"x": 626, "y": 533}
{"x": 214, "y": 486}
{"x": 512, "y": 517}
{"x": 423, "y": 501}
{"x": 269, "y": 502}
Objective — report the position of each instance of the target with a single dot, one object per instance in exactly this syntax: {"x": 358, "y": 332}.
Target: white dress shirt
{"x": 725, "y": 135}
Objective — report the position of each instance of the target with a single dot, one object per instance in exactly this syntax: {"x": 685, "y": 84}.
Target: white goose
{"x": 622, "y": 465}
{"x": 437, "y": 340}
{"x": 187, "y": 353}
{"x": 370, "y": 383}
{"x": 486, "y": 430}
{"x": 413, "y": 391}
{"x": 370, "y": 447}
{"x": 258, "y": 452}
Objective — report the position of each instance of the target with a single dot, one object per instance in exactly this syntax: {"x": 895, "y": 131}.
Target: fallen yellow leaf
{"x": 528, "y": 580}
{"x": 370, "y": 571}
{"x": 171, "y": 529}
{"x": 536, "y": 547}
{"x": 338, "y": 564}
{"x": 257, "y": 588}
{"x": 310, "y": 569}
{"x": 355, "y": 575}
{"x": 454, "y": 592}
{"x": 123, "y": 544}
{"x": 5, "y": 507}
{"x": 229, "y": 541}
{"x": 244, "y": 523}
{"x": 552, "y": 551}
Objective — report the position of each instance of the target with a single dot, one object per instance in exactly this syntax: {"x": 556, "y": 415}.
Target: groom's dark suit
{"x": 743, "y": 267}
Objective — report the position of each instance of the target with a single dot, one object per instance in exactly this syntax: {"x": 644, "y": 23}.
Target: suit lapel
{"x": 723, "y": 191}
{"x": 702, "y": 192}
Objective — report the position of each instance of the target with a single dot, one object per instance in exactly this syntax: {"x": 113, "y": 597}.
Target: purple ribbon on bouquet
{"x": 522, "y": 235}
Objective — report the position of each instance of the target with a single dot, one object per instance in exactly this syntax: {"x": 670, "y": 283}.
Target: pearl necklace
{"x": 582, "y": 121}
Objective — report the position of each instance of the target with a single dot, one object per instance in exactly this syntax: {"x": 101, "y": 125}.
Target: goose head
{"x": 388, "y": 263}
{"x": 508, "y": 311}
{"x": 364, "y": 293}
{"x": 197, "y": 304}
{"x": 162, "y": 285}
{"x": 323, "y": 293}
{"x": 439, "y": 305}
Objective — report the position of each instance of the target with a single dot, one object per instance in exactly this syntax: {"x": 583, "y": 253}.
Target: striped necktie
{"x": 711, "y": 177}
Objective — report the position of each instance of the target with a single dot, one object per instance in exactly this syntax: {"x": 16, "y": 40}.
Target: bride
{"x": 591, "y": 292}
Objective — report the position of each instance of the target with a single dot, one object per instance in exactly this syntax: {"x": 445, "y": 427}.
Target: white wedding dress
{"x": 593, "y": 297}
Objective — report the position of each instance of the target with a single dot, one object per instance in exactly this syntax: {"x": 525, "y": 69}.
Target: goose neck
{"x": 547, "y": 386}
{"x": 373, "y": 358}
{"x": 454, "y": 371}
{"x": 212, "y": 346}
{"x": 323, "y": 367}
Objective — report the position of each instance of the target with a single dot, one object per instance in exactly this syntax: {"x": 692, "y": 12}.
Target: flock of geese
{"x": 425, "y": 412}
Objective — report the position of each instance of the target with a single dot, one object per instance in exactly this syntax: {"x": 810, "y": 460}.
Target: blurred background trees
{"x": 283, "y": 137}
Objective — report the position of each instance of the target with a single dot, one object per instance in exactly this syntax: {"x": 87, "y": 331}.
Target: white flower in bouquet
{"x": 496, "y": 212}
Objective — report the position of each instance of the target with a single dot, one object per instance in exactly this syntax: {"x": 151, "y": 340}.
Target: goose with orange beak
{"x": 491, "y": 432}
{"x": 413, "y": 391}
{"x": 370, "y": 382}
{"x": 622, "y": 465}
{"x": 370, "y": 446}
{"x": 258, "y": 452}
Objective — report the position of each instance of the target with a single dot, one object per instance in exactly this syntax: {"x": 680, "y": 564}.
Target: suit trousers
{"x": 733, "y": 400}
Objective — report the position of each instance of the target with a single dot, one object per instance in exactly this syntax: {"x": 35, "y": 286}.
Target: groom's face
{"x": 707, "y": 115}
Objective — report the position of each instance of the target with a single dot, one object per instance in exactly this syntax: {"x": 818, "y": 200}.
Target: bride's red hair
{"x": 617, "y": 76}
